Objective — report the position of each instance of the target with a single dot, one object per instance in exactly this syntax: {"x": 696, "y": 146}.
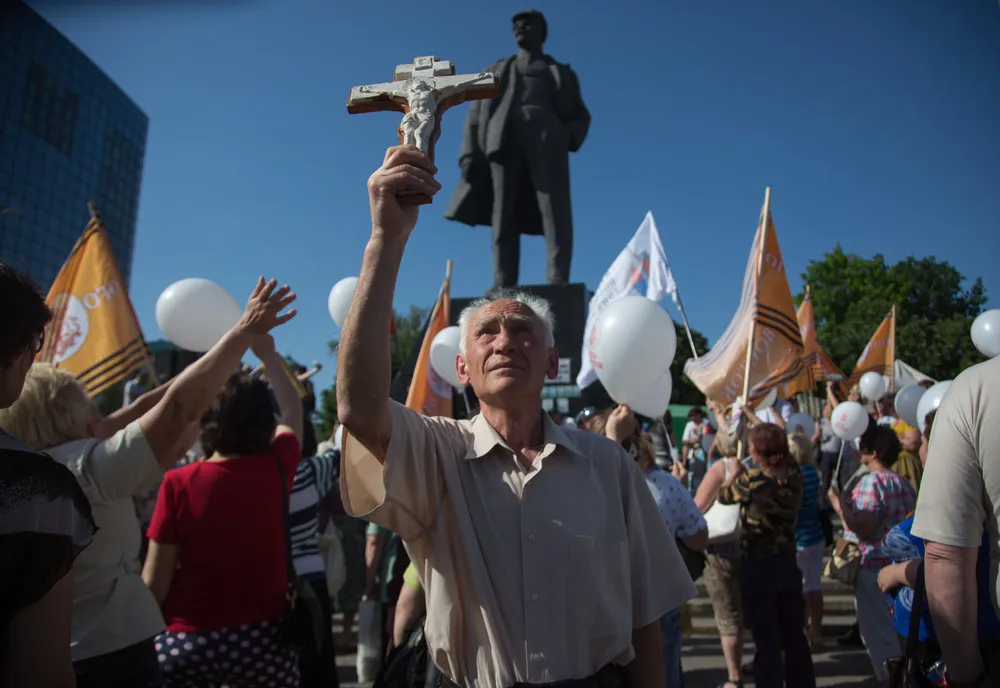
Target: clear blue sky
{"x": 876, "y": 123}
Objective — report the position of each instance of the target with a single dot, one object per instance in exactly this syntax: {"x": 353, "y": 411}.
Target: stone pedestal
{"x": 569, "y": 306}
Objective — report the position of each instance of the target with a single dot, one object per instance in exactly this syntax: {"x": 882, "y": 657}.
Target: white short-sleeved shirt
{"x": 112, "y": 607}
{"x": 781, "y": 408}
{"x": 961, "y": 484}
{"x": 675, "y": 504}
{"x": 690, "y": 432}
{"x": 533, "y": 574}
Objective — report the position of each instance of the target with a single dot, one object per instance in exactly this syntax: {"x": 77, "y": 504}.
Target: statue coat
{"x": 484, "y": 138}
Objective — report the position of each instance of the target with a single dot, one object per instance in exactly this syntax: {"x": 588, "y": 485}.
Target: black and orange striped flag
{"x": 763, "y": 335}
{"x": 94, "y": 333}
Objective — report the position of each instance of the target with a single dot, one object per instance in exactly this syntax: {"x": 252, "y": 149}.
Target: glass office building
{"x": 68, "y": 135}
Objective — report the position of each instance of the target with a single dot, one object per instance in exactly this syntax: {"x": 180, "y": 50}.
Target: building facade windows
{"x": 68, "y": 135}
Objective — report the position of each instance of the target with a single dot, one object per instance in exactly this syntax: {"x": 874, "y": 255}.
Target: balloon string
{"x": 836, "y": 471}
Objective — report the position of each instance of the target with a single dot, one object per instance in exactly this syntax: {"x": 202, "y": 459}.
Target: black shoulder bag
{"x": 907, "y": 672}
{"x": 302, "y": 625}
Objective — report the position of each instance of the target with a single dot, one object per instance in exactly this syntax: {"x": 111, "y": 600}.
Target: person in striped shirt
{"x": 315, "y": 476}
{"x": 809, "y": 539}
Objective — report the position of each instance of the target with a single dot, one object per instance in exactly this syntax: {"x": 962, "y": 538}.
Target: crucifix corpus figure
{"x": 422, "y": 91}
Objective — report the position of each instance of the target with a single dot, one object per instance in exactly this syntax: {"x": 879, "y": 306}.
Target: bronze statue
{"x": 515, "y": 155}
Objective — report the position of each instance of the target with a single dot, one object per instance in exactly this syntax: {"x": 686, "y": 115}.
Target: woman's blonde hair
{"x": 800, "y": 448}
{"x": 599, "y": 422}
{"x": 53, "y": 409}
{"x": 646, "y": 456}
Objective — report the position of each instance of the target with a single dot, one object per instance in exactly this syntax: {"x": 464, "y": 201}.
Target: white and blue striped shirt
{"x": 313, "y": 479}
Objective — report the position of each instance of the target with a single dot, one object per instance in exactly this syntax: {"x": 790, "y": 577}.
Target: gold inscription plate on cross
{"x": 422, "y": 91}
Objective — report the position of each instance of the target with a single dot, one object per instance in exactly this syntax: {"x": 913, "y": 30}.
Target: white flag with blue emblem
{"x": 639, "y": 270}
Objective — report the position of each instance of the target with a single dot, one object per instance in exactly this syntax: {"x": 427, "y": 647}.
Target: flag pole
{"x": 55, "y": 326}
{"x": 892, "y": 366}
{"x": 765, "y": 213}
{"x": 687, "y": 327}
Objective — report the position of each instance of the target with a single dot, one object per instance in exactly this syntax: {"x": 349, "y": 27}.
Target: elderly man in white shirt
{"x": 540, "y": 549}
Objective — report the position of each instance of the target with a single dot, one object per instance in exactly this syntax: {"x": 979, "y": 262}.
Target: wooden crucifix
{"x": 422, "y": 91}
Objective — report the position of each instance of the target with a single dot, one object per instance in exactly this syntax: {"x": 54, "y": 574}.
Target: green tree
{"x": 851, "y": 295}
{"x": 684, "y": 391}
{"x": 409, "y": 328}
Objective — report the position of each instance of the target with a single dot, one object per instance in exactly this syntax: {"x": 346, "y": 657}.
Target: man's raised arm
{"x": 363, "y": 363}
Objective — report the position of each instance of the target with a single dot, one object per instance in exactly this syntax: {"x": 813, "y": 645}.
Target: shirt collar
{"x": 485, "y": 438}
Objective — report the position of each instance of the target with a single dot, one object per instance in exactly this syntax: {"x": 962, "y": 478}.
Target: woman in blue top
{"x": 897, "y": 579}
{"x": 809, "y": 540}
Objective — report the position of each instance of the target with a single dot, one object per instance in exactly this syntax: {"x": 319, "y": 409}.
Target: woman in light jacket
{"x": 115, "y": 616}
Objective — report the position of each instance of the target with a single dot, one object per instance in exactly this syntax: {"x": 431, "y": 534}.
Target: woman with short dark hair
{"x": 769, "y": 495}
{"x": 870, "y": 506}
{"x": 216, "y": 558}
{"x": 45, "y": 519}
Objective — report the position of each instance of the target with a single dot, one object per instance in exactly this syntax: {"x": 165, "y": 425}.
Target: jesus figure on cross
{"x": 420, "y": 121}
{"x": 422, "y": 91}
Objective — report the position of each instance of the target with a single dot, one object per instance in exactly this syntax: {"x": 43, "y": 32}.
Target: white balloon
{"x": 986, "y": 333}
{"x": 872, "y": 386}
{"x": 339, "y": 301}
{"x": 195, "y": 313}
{"x": 444, "y": 351}
{"x": 907, "y": 402}
{"x": 632, "y": 346}
{"x": 801, "y": 420}
{"x": 849, "y": 420}
{"x": 655, "y": 399}
{"x": 768, "y": 400}
{"x": 930, "y": 401}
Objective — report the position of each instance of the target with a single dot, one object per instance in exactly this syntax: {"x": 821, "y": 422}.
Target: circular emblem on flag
{"x": 75, "y": 326}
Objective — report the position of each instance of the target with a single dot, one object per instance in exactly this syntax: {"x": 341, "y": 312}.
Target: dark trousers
{"x": 319, "y": 669}
{"x": 775, "y": 613}
{"x": 134, "y": 666}
{"x": 534, "y": 173}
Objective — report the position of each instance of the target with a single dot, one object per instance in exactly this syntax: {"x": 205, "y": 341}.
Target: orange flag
{"x": 821, "y": 367}
{"x": 767, "y": 313}
{"x": 880, "y": 354}
{"x": 94, "y": 333}
{"x": 429, "y": 394}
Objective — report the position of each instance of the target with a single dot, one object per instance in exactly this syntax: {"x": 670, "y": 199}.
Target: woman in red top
{"x": 216, "y": 555}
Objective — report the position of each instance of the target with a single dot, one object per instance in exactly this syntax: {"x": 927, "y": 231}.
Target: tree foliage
{"x": 409, "y": 327}
{"x": 684, "y": 391}
{"x": 934, "y": 313}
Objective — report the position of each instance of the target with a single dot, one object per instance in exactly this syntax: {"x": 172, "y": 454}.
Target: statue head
{"x": 530, "y": 29}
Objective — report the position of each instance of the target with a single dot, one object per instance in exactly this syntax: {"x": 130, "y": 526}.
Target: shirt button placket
{"x": 530, "y": 577}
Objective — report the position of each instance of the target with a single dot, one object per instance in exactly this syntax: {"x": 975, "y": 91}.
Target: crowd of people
{"x": 509, "y": 549}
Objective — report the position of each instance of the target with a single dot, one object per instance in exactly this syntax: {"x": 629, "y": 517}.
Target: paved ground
{"x": 704, "y": 668}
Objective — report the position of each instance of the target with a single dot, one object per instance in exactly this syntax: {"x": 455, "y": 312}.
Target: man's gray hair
{"x": 539, "y": 306}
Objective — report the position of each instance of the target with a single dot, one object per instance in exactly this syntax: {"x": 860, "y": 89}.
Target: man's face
{"x": 911, "y": 441}
{"x": 506, "y": 355}
{"x": 528, "y": 33}
{"x": 827, "y": 410}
